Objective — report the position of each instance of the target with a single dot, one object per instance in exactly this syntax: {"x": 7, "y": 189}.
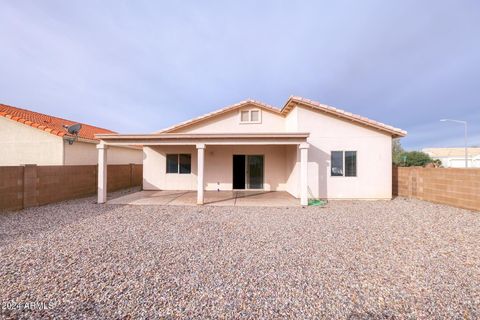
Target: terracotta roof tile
{"x": 396, "y": 132}
{"x": 50, "y": 124}
{"x": 342, "y": 113}
{"x": 286, "y": 109}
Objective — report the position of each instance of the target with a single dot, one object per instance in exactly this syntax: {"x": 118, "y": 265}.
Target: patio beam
{"x": 102, "y": 173}
{"x": 200, "y": 173}
{"x": 193, "y": 142}
{"x": 304, "y": 173}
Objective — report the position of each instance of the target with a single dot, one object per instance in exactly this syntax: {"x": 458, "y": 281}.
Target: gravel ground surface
{"x": 355, "y": 260}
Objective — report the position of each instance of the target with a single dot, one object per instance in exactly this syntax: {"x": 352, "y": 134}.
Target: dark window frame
{"x": 187, "y": 166}
{"x": 349, "y": 172}
{"x": 343, "y": 168}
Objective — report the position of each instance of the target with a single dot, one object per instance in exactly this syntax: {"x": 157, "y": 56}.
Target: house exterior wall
{"x": 85, "y": 153}
{"x": 459, "y": 162}
{"x": 229, "y": 122}
{"x": 292, "y": 170}
{"x": 282, "y": 163}
{"x": 218, "y": 167}
{"x": 155, "y": 176}
{"x": 374, "y": 157}
{"x": 22, "y": 144}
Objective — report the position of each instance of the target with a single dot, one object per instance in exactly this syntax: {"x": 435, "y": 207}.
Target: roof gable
{"x": 291, "y": 103}
{"x": 216, "y": 113}
{"x": 50, "y": 124}
{"x": 294, "y": 101}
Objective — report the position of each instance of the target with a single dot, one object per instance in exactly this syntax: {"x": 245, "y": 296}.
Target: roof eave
{"x": 218, "y": 112}
{"x": 293, "y": 101}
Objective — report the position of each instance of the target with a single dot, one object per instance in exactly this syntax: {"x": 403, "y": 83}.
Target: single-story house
{"x": 455, "y": 157}
{"x": 306, "y": 148}
{"x": 28, "y": 137}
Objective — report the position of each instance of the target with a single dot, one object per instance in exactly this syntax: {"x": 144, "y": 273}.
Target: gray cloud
{"x": 138, "y": 66}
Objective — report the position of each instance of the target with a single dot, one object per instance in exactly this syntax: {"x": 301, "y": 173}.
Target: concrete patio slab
{"x": 212, "y": 198}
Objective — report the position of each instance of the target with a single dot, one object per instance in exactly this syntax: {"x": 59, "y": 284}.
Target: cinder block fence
{"x": 32, "y": 185}
{"x": 453, "y": 186}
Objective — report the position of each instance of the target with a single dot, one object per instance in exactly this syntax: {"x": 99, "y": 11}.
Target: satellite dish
{"x": 73, "y": 129}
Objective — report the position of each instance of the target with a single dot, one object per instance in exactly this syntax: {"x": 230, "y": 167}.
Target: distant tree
{"x": 397, "y": 152}
{"x": 437, "y": 163}
{"x": 415, "y": 158}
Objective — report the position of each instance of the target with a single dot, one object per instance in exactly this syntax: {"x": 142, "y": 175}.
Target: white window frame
{"x": 250, "y": 116}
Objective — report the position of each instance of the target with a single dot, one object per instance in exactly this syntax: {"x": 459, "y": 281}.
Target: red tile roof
{"x": 48, "y": 123}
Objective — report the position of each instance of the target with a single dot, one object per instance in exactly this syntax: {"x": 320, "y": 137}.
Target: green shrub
{"x": 414, "y": 159}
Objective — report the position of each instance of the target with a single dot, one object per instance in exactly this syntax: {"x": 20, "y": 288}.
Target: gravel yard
{"x": 356, "y": 260}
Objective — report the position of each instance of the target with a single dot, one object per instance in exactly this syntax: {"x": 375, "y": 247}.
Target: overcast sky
{"x": 140, "y": 66}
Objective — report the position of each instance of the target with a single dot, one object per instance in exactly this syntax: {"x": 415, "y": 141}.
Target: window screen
{"x": 185, "y": 163}
{"x": 244, "y": 116}
{"x": 350, "y": 163}
{"x": 172, "y": 163}
{"x": 255, "y": 114}
{"x": 336, "y": 162}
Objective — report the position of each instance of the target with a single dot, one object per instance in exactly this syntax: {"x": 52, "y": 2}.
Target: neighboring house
{"x": 28, "y": 137}
{"x": 306, "y": 148}
{"x": 455, "y": 157}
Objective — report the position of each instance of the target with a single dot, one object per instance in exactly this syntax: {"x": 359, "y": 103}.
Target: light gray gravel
{"x": 356, "y": 260}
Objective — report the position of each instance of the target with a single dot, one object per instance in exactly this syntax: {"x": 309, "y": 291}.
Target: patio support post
{"x": 200, "y": 169}
{"x": 304, "y": 173}
{"x": 102, "y": 173}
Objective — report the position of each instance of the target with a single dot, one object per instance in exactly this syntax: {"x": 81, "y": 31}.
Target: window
{"x": 245, "y": 116}
{"x": 350, "y": 163}
{"x": 185, "y": 163}
{"x": 172, "y": 163}
{"x": 337, "y": 163}
{"x": 254, "y": 115}
{"x": 250, "y": 116}
{"x": 341, "y": 160}
{"x": 179, "y": 163}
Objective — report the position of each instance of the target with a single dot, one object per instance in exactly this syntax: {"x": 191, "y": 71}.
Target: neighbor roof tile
{"x": 50, "y": 124}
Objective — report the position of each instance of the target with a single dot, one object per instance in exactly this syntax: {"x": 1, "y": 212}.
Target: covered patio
{"x": 211, "y": 198}
{"x": 209, "y": 176}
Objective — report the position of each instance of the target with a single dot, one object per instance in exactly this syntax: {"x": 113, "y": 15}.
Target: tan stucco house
{"x": 308, "y": 149}
{"x": 28, "y": 137}
{"x": 455, "y": 157}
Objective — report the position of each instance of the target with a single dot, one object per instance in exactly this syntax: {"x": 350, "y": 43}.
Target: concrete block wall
{"x": 32, "y": 185}
{"x": 453, "y": 186}
{"x": 11, "y": 187}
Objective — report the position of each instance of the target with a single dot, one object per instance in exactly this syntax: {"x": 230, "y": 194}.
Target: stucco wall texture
{"x": 21, "y": 144}
{"x": 282, "y": 163}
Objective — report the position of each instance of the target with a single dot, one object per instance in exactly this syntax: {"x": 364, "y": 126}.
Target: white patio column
{"x": 200, "y": 169}
{"x": 304, "y": 173}
{"x": 102, "y": 173}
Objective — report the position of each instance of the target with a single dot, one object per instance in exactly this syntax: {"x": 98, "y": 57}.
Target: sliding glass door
{"x": 247, "y": 171}
{"x": 254, "y": 172}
